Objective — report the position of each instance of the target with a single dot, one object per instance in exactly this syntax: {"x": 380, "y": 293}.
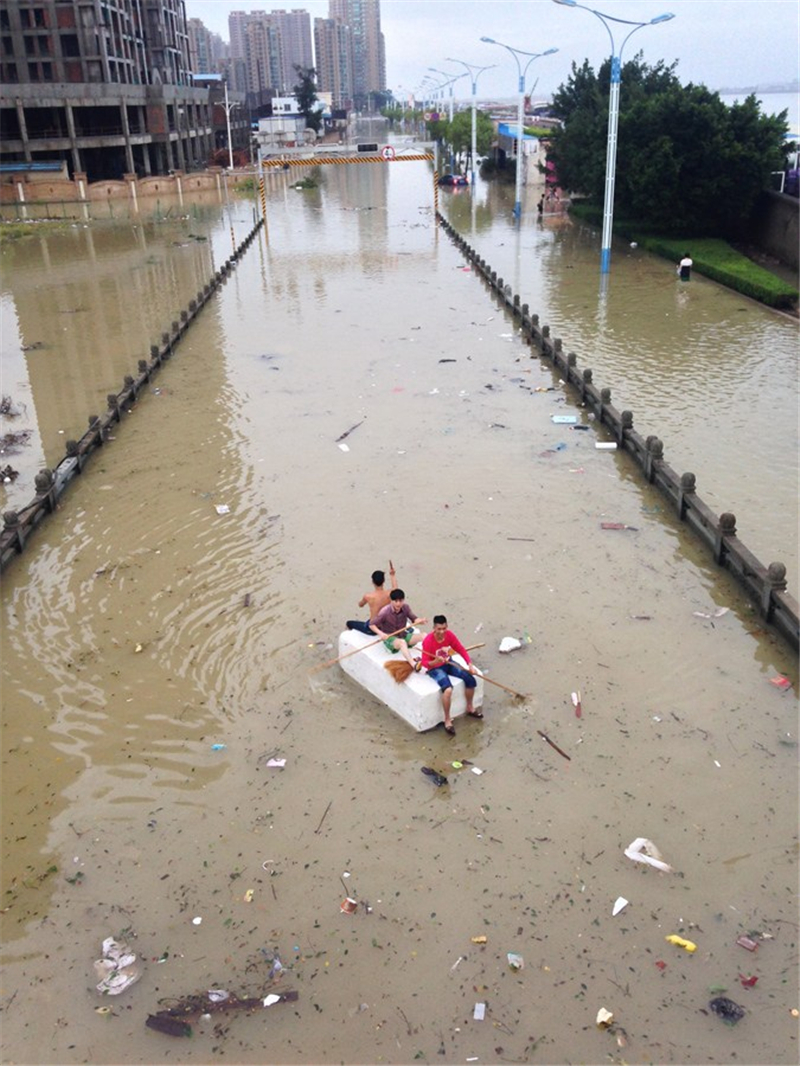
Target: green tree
{"x": 381, "y": 99}
{"x": 392, "y": 112}
{"x": 457, "y": 135}
{"x": 305, "y": 92}
{"x": 685, "y": 161}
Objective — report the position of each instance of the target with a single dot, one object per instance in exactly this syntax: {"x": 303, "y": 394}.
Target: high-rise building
{"x": 167, "y": 41}
{"x": 237, "y": 21}
{"x": 103, "y": 85}
{"x": 283, "y": 35}
{"x": 295, "y": 30}
{"x": 333, "y": 48}
{"x": 263, "y": 56}
{"x": 206, "y": 49}
{"x": 369, "y": 50}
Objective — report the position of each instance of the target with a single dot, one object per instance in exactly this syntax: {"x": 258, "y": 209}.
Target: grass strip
{"x": 712, "y": 257}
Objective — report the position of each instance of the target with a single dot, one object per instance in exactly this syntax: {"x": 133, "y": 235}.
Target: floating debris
{"x": 173, "y": 1020}
{"x": 604, "y": 1018}
{"x": 644, "y": 850}
{"x": 117, "y": 969}
{"x": 725, "y": 1008}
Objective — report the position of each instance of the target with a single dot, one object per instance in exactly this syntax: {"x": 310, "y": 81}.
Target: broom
{"x": 400, "y": 671}
{"x": 355, "y": 651}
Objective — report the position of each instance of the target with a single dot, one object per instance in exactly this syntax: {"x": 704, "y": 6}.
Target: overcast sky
{"x": 719, "y": 43}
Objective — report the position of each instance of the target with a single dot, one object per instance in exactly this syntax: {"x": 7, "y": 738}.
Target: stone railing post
{"x": 775, "y": 582}
{"x": 11, "y": 524}
{"x": 45, "y": 488}
{"x": 605, "y": 400}
{"x": 688, "y": 487}
{"x": 625, "y": 424}
{"x": 726, "y": 527}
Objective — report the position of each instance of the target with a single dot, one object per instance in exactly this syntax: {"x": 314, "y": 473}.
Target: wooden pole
{"x": 355, "y": 651}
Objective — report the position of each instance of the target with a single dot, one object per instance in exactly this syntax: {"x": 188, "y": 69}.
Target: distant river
{"x": 773, "y": 104}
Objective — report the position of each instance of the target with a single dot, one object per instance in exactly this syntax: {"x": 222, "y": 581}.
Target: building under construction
{"x": 103, "y": 86}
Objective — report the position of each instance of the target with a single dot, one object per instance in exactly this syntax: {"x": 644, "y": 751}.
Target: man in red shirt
{"x": 437, "y": 649}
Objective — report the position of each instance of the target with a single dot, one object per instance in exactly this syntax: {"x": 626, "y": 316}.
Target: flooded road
{"x": 158, "y": 653}
{"x": 699, "y": 365}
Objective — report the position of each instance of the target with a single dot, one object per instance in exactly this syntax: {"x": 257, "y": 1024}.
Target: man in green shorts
{"x": 394, "y": 616}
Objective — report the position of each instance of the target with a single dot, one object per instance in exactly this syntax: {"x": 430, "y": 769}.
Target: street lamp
{"x": 474, "y": 72}
{"x": 452, "y": 79}
{"x": 426, "y": 87}
{"x": 613, "y": 117}
{"x": 228, "y": 108}
{"x": 516, "y": 53}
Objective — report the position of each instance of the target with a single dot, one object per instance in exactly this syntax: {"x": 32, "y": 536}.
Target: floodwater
{"x": 699, "y": 365}
{"x": 158, "y": 653}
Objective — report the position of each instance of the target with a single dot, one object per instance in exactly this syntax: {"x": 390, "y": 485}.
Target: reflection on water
{"x": 162, "y": 630}
{"x": 700, "y": 366}
{"x": 84, "y": 307}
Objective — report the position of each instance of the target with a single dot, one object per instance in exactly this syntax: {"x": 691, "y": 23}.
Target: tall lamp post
{"x": 452, "y": 79}
{"x": 516, "y": 53}
{"x": 474, "y": 72}
{"x": 228, "y": 108}
{"x": 426, "y": 88}
{"x": 613, "y": 117}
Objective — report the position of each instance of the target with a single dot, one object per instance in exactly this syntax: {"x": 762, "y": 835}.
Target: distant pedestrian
{"x": 685, "y": 267}
{"x": 540, "y": 205}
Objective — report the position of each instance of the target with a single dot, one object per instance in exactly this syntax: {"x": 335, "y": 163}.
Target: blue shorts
{"x": 440, "y": 676}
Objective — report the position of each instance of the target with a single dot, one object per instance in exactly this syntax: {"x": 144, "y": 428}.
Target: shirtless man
{"x": 375, "y": 600}
{"x": 394, "y": 617}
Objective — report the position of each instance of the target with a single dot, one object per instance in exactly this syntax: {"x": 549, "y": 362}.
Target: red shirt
{"x": 434, "y": 649}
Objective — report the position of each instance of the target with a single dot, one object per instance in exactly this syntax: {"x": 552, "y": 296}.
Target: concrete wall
{"x": 21, "y": 191}
{"x": 774, "y": 227}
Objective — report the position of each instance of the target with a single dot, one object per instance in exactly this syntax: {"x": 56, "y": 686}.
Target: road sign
{"x": 388, "y": 152}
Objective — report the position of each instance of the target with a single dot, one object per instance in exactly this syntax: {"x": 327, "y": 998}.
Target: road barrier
{"x": 340, "y": 160}
{"x": 765, "y": 586}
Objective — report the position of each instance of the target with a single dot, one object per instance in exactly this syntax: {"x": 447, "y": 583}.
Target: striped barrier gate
{"x": 336, "y": 160}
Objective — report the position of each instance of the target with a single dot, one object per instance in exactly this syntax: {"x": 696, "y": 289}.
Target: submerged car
{"x": 453, "y": 179}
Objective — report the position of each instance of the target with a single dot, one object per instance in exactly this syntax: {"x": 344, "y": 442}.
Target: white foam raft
{"x": 417, "y": 700}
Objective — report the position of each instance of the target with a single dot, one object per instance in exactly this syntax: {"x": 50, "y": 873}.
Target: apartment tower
{"x": 369, "y": 53}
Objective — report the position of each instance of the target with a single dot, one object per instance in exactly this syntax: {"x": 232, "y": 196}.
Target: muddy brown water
{"x": 143, "y": 629}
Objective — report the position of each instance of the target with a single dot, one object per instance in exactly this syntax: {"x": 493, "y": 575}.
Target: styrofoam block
{"x": 417, "y": 700}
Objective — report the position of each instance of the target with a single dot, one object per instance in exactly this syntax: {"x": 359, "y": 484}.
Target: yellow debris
{"x": 678, "y": 941}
